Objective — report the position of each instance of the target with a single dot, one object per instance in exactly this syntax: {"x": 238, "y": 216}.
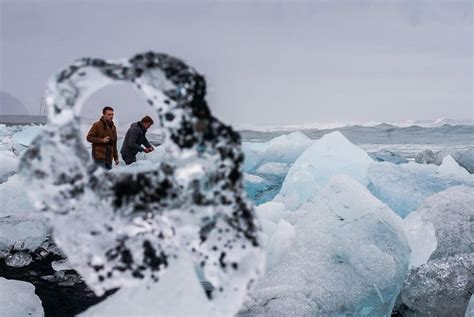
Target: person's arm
{"x": 146, "y": 143}
{"x": 133, "y": 136}
{"x": 93, "y": 135}
{"x": 115, "y": 147}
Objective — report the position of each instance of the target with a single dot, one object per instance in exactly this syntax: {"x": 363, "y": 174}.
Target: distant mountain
{"x": 10, "y": 105}
{"x": 338, "y": 125}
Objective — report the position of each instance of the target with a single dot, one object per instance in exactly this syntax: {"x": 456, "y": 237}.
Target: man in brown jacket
{"x": 103, "y": 136}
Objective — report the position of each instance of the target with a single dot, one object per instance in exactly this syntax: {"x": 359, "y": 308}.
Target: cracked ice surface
{"x": 118, "y": 229}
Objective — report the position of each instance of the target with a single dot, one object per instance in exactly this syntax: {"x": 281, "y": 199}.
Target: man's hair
{"x": 147, "y": 119}
{"x": 107, "y": 109}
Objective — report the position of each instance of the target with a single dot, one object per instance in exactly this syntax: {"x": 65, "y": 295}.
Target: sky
{"x": 265, "y": 62}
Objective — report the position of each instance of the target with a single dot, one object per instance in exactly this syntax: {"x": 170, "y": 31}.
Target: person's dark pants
{"x": 104, "y": 164}
{"x": 129, "y": 159}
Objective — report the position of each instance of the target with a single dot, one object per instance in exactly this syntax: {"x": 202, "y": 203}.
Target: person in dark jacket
{"x": 134, "y": 139}
{"x": 103, "y": 136}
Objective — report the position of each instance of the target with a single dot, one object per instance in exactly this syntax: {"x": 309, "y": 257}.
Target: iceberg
{"x": 253, "y": 153}
{"x": 465, "y": 159}
{"x": 441, "y": 287}
{"x": 388, "y": 156}
{"x": 18, "y": 298}
{"x": 346, "y": 240}
{"x": 285, "y": 148}
{"x": 9, "y": 165}
{"x": 440, "y": 281}
{"x": 449, "y": 168}
{"x": 23, "y": 139}
{"x": 331, "y": 155}
{"x": 405, "y": 187}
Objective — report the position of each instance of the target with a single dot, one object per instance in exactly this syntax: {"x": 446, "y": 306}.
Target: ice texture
{"x": 429, "y": 157}
{"x": 285, "y": 148}
{"x": 466, "y": 159}
{"x": 449, "y": 168}
{"x": 331, "y": 155}
{"x": 21, "y": 228}
{"x": 442, "y": 284}
{"x": 441, "y": 287}
{"x": 253, "y": 153}
{"x": 18, "y": 298}
{"x": 18, "y": 259}
{"x": 404, "y": 187}
{"x": 125, "y": 229}
{"x": 23, "y": 139}
{"x": 388, "y": 156}
{"x": 9, "y": 165}
{"x": 349, "y": 258}
{"x": 172, "y": 296}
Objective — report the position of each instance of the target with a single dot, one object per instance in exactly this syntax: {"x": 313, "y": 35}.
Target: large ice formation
{"x": 285, "y": 148}
{"x": 18, "y": 298}
{"x": 405, "y": 187}
{"x": 20, "y": 227}
{"x": 349, "y": 258}
{"x": 331, "y": 155}
{"x": 125, "y": 229}
{"x": 440, "y": 282}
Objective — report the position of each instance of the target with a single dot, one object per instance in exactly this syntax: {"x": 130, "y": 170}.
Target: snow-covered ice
{"x": 18, "y": 299}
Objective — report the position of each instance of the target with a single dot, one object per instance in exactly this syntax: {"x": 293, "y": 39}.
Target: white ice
{"x": 331, "y": 155}
{"x": 171, "y": 296}
{"x": 18, "y": 299}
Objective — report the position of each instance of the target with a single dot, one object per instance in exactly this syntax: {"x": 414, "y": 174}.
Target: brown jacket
{"x": 100, "y": 150}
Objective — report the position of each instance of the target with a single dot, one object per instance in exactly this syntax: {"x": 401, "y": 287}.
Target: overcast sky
{"x": 266, "y": 62}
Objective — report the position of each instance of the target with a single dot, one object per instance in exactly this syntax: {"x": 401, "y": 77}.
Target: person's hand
{"x": 151, "y": 148}
{"x": 116, "y": 162}
{"x": 147, "y": 150}
{"x": 106, "y": 139}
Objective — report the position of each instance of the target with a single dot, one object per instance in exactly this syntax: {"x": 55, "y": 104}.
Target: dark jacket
{"x": 103, "y": 151}
{"x": 134, "y": 139}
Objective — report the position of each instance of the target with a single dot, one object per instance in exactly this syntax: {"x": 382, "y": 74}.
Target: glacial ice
{"x": 253, "y": 153}
{"x": 405, "y": 187}
{"x": 441, "y": 287}
{"x": 331, "y": 155}
{"x": 466, "y": 159}
{"x": 20, "y": 226}
{"x": 18, "y": 259}
{"x": 275, "y": 169}
{"x": 429, "y": 157}
{"x": 442, "y": 284}
{"x": 449, "y": 168}
{"x": 179, "y": 293}
{"x": 349, "y": 257}
{"x": 126, "y": 229}
{"x": 23, "y": 139}
{"x": 9, "y": 165}
{"x": 18, "y": 298}
{"x": 388, "y": 156}
{"x": 285, "y": 148}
